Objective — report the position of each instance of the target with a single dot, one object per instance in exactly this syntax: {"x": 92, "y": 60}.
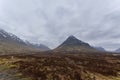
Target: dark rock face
{"x": 73, "y": 41}
{"x": 74, "y": 44}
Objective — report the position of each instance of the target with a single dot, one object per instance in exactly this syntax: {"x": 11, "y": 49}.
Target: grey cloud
{"x": 51, "y": 21}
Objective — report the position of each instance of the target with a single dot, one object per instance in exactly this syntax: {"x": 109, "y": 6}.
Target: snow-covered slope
{"x": 5, "y": 36}
{"x": 10, "y": 43}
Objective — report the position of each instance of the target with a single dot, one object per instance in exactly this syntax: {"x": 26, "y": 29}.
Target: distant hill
{"x": 39, "y": 46}
{"x": 74, "y": 44}
{"x": 118, "y": 50}
{"x": 10, "y": 43}
{"x": 100, "y": 48}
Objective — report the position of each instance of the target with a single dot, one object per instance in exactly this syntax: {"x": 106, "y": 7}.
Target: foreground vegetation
{"x": 58, "y": 66}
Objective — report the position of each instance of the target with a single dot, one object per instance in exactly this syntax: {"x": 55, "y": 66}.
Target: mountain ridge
{"x": 117, "y": 50}
{"x": 100, "y": 49}
{"x": 10, "y": 43}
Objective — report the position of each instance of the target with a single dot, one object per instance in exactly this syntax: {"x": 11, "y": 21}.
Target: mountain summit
{"x": 73, "y": 41}
{"x": 74, "y": 44}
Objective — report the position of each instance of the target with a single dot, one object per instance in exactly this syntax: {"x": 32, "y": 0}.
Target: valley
{"x": 59, "y": 39}
{"x": 72, "y": 60}
{"x": 60, "y": 66}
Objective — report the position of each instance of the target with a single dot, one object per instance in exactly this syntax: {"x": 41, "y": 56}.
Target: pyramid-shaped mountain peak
{"x": 74, "y": 44}
{"x": 73, "y": 41}
{"x": 71, "y": 37}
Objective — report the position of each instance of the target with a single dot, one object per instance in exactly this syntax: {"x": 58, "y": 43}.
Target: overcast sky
{"x": 50, "y": 22}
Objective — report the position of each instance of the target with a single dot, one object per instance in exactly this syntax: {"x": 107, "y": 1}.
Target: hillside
{"x": 100, "y": 49}
{"x": 72, "y": 60}
{"x": 118, "y": 50}
{"x": 10, "y": 44}
{"x": 74, "y": 44}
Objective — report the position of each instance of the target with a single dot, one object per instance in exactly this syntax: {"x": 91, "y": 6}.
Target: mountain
{"x": 118, "y": 50}
{"x": 100, "y": 48}
{"x": 10, "y": 43}
{"x": 9, "y": 37}
{"x": 39, "y": 46}
{"x": 74, "y": 44}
